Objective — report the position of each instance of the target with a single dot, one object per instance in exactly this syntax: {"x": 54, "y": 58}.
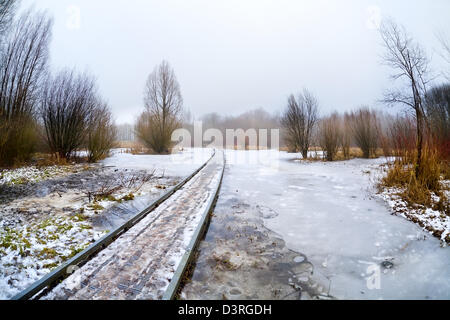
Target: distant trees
{"x": 102, "y": 133}
{"x": 402, "y": 135}
{"x": 329, "y": 136}
{"x": 365, "y": 130}
{"x": 299, "y": 120}
{"x": 23, "y": 65}
{"x": 257, "y": 119}
{"x": 125, "y": 132}
{"x": 163, "y": 109}
{"x": 410, "y": 63}
{"x": 7, "y": 10}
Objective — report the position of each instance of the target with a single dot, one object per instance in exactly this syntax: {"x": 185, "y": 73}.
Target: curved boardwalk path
{"x": 140, "y": 264}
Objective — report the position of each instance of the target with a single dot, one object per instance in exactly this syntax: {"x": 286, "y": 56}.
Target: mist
{"x": 235, "y": 56}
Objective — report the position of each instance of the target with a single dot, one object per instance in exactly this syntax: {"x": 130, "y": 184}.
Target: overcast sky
{"x": 235, "y": 55}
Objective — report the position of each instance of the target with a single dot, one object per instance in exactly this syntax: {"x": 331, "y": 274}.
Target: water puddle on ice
{"x": 241, "y": 259}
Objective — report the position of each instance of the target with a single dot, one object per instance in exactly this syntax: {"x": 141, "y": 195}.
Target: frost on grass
{"x": 435, "y": 221}
{"x": 26, "y": 175}
{"x": 30, "y": 251}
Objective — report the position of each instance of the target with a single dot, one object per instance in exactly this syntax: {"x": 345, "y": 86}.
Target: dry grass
{"x": 419, "y": 190}
{"x": 353, "y": 153}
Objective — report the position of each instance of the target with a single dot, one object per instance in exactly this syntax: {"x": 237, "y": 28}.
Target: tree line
{"x": 59, "y": 113}
{"x": 425, "y": 123}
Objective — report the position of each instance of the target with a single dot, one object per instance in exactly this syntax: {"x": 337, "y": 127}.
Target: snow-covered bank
{"x": 436, "y": 222}
{"x": 49, "y": 214}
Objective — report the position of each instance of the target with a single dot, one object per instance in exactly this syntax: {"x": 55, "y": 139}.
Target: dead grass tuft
{"x": 418, "y": 189}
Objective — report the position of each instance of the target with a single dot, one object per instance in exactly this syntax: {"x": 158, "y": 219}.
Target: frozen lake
{"x": 330, "y": 214}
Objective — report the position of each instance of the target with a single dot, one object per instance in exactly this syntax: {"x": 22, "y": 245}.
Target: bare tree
{"x": 163, "y": 103}
{"x": 102, "y": 133}
{"x": 330, "y": 136}
{"x": 410, "y": 63}
{"x": 23, "y": 65}
{"x": 438, "y": 113}
{"x": 346, "y": 135}
{"x": 445, "y": 44}
{"x": 7, "y": 11}
{"x": 364, "y": 126}
{"x": 299, "y": 120}
{"x": 67, "y": 106}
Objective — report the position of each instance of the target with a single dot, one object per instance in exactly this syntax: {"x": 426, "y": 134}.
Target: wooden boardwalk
{"x": 140, "y": 264}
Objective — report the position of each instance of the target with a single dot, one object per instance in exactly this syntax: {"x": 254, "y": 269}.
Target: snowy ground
{"x": 49, "y": 214}
{"x": 282, "y": 228}
{"x": 436, "y": 222}
{"x": 331, "y": 215}
{"x": 177, "y": 164}
{"x": 141, "y": 262}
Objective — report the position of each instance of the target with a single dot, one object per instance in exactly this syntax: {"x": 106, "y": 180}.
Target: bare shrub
{"x": 23, "y": 64}
{"x": 125, "y": 133}
{"x": 402, "y": 135}
{"x": 67, "y": 105}
{"x": 132, "y": 182}
{"x": 7, "y": 10}
{"x": 417, "y": 190}
{"x": 253, "y": 119}
{"x": 102, "y": 133}
{"x": 163, "y": 104}
{"x": 330, "y": 136}
{"x": 346, "y": 136}
{"x": 148, "y": 133}
{"x": 364, "y": 127}
{"x": 384, "y": 139}
{"x": 445, "y": 52}
{"x": 438, "y": 112}
{"x": 299, "y": 120}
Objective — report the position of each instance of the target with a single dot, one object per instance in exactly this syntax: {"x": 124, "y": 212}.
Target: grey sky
{"x": 235, "y": 55}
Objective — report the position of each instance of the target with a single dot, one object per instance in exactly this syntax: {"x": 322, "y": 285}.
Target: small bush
{"x": 18, "y": 138}
{"x": 101, "y": 134}
{"x": 417, "y": 190}
{"x": 150, "y": 133}
{"x": 330, "y": 136}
